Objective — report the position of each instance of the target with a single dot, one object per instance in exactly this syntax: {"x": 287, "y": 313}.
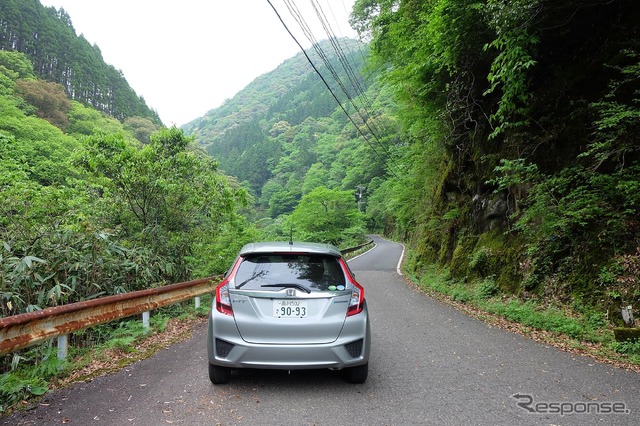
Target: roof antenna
{"x": 291, "y": 236}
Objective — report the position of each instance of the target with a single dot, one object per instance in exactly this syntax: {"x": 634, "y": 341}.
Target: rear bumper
{"x": 351, "y": 349}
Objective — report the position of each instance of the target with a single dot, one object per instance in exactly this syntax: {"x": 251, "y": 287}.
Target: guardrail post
{"x": 145, "y": 319}
{"x": 197, "y": 302}
{"x": 63, "y": 346}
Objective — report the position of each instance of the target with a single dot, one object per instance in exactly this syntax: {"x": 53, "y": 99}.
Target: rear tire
{"x": 356, "y": 374}
{"x": 219, "y": 375}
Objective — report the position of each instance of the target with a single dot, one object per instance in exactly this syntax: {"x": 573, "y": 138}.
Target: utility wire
{"x": 338, "y": 48}
{"x": 361, "y": 95}
{"x": 293, "y": 9}
{"x": 351, "y": 75}
{"x": 327, "y": 85}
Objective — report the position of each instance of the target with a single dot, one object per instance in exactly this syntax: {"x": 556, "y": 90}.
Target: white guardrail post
{"x": 145, "y": 320}
{"x": 63, "y": 346}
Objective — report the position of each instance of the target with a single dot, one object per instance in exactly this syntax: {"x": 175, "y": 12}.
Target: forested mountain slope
{"x": 58, "y": 55}
{"x": 285, "y": 134}
{"x": 292, "y": 91}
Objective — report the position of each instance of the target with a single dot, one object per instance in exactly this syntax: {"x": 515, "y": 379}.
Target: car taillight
{"x": 356, "y": 303}
{"x": 223, "y": 301}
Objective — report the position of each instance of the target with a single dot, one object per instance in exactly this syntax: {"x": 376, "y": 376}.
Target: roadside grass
{"x": 94, "y": 352}
{"x": 581, "y": 330}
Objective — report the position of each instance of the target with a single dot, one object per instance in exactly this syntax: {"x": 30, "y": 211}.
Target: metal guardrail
{"x": 23, "y": 330}
{"x": 20, "y": 331}
{"x": 356, "y": 248}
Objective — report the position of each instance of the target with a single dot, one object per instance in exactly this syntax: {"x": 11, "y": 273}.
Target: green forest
{"x": 494, "y": 138}
{"x": 287, "y": 142}
{"x": 93, "y": 206}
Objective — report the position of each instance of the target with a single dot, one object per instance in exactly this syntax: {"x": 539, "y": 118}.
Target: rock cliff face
{"x": 473, "y": 238}
{"x": 490, "y": 211}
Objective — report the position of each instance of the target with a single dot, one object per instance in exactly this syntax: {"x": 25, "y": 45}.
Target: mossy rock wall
{"x": 489, "y": 255}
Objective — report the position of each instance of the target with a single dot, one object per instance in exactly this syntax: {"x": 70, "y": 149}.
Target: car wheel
{"x": 356, "y": 374}
{"x": 219, "y": 375}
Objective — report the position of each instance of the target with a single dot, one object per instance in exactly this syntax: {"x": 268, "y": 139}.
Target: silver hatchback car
{"x": 289, "y": 306}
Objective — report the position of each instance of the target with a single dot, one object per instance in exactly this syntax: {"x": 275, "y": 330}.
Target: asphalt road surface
{"x": 430, "y": 365}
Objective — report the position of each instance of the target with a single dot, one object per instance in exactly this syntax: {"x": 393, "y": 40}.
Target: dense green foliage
{"x": 48, "y": 38}
{"x": 522, "y": 124}
{"x": 327, "y": 215}
{"x": 94, "y": 211}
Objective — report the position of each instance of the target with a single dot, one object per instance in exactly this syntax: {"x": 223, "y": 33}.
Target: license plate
{"x": 290, "y": 308}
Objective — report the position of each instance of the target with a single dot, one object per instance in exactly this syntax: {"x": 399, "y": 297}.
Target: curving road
{"x": 430, "y": 364}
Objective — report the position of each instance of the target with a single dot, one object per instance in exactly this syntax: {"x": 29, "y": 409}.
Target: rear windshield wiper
{"x": 254, "y": 276}
{"x": 298, "y": 286}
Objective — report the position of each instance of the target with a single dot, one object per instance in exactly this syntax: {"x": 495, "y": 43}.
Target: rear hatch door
{"x": 289, "y": 316}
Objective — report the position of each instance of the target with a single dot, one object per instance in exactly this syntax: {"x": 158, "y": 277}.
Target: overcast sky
{"x": 186, "y": 57}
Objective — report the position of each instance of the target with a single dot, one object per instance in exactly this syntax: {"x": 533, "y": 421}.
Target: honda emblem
{"x": 291, "y": 292}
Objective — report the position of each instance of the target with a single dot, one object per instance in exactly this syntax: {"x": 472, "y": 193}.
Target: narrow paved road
{"x": 430, "y": 365}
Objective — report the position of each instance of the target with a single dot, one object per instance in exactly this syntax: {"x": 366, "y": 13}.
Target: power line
{"x": 295, "y": 12}
{"x": 351, "y": 75}
{"x": 355, "y": 81}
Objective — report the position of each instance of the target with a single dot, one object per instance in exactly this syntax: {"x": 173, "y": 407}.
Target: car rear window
{"x": 313, "y": 272}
